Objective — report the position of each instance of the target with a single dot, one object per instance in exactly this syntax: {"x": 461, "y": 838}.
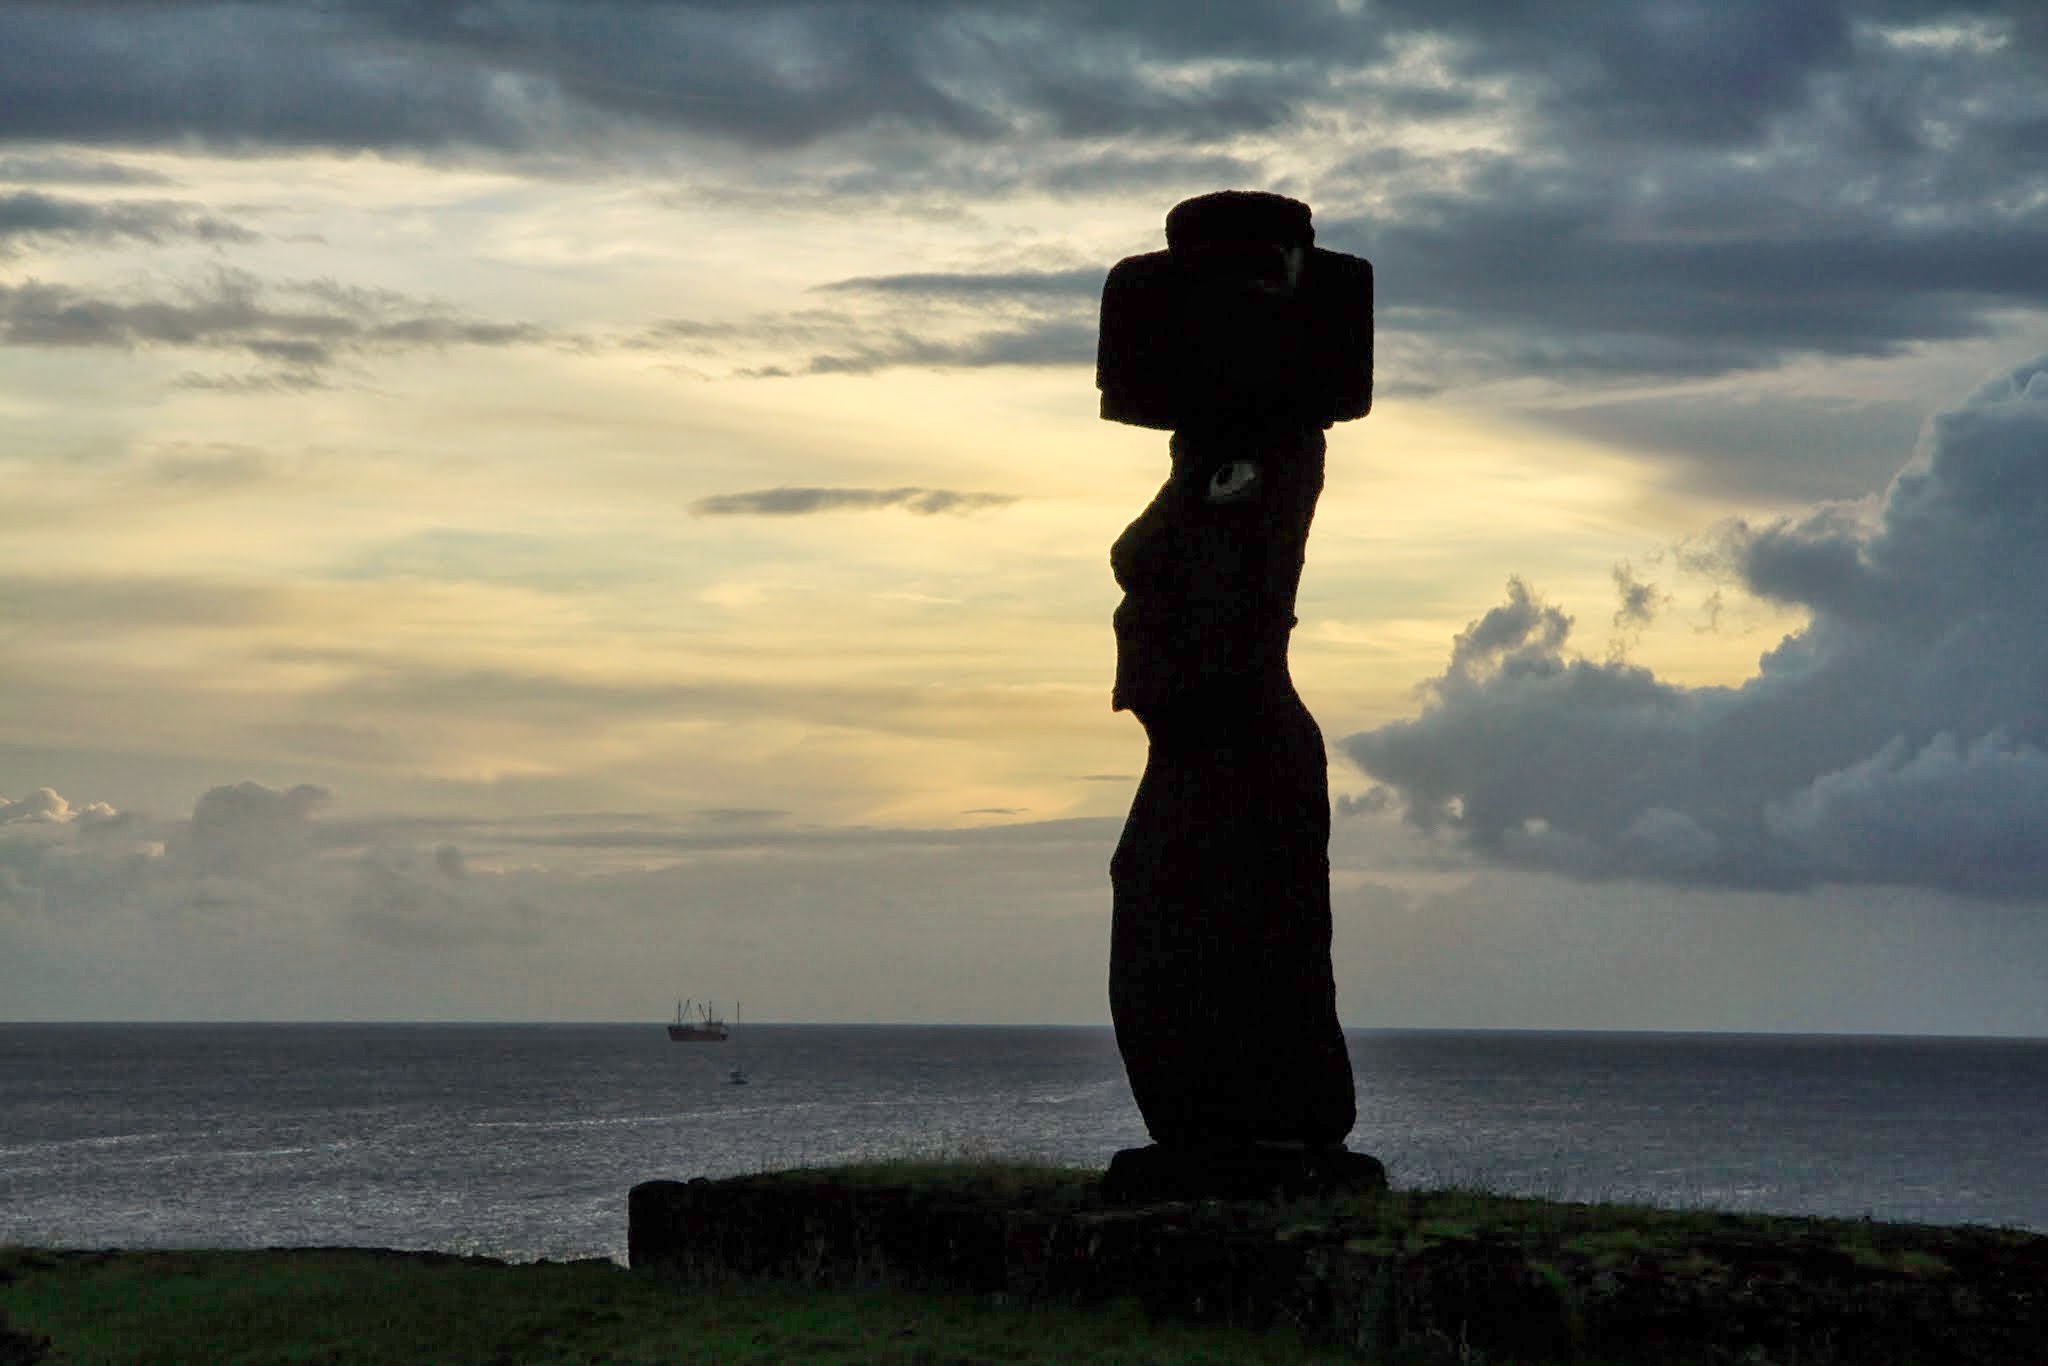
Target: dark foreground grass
{"x": 1619, "y": 1284}
{"x": 362, "y": 1305}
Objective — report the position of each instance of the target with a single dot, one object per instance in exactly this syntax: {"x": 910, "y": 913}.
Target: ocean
{"x": 521, "y": 1141}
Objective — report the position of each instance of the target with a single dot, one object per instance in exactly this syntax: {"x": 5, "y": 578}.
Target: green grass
{"x": 343, "y": 1306}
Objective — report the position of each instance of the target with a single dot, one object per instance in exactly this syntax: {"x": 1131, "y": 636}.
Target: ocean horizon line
{"x": 1102, "y": 1026}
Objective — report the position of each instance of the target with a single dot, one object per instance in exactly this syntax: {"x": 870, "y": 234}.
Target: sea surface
{"x": 521, "y": 1141}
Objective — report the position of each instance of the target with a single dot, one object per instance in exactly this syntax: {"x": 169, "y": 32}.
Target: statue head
{"x": 1209, "y": 572}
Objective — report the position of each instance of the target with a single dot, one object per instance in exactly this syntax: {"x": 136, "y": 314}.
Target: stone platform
{"x": 1148, "y": 1176}
{"x": 1409, "y": 1275}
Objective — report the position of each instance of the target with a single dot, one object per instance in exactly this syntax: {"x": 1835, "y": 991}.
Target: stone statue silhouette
{"x": 1246, "y": 341}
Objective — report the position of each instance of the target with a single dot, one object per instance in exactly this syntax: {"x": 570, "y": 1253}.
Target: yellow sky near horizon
{"x": 459, "y": 568}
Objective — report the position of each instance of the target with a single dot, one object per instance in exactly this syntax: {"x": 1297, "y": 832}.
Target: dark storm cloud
{"x": 242, "y": 75}
{"x": 779, "y": 73}
{"x": 299, "y": 327}
{"x": 1622, "y": 188}
{"x": 1597, "y": 271}
{"x": 1712, "y": 70}
{"x": 1900, "y": 737}
{"x": 1711, "y": 188}
{"x": 799, "y": 502}
{"x": 511, "y": 74}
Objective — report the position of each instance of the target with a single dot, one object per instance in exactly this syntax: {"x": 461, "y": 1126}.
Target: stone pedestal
{"x": 1156, "y": 1174}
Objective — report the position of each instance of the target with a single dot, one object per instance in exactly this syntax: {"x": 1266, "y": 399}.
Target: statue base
{"x": 1155, "y": 1174}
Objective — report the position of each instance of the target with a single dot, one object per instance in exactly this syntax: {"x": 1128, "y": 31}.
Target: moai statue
{"x": 1246, "y": 341}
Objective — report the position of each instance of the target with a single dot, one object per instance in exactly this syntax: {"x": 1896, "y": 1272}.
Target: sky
{"x": 533, "y": 508}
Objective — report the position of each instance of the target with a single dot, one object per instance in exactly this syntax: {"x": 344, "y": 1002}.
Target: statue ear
{"x": 1233, "y": 481}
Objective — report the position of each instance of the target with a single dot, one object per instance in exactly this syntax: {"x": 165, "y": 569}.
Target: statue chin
{"x": 1150, "y": 655}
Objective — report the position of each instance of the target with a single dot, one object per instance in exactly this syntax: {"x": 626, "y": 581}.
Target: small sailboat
{"x": 738, "y": 1075}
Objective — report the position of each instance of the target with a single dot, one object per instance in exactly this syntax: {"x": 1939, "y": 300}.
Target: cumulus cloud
{"x": 798, "y": 502}
{"x": 49, "y": 845}
{"x": 246, "y": 850}
{"x": 247, "y": 829}
{"x": 43, "y": 806}
{"x": 1900, "y": 737}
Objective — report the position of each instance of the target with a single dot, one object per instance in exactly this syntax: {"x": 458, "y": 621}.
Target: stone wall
{"x": 1788, "y": 1289}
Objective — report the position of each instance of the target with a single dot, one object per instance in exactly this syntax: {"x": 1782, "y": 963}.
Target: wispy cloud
{"x": 800, "y": 502}
{"x": 297, "y": 327}
{"x": 60, "y": 168}
{"x": 29, "y": 215}
{"x": 1011, "y": 286}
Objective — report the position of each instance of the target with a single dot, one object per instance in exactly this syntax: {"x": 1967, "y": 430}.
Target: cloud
{"x": 31, "y": 215}
{"x": 298, "y": 327}
{"x": 1615, "y": 190}
{"x": 1053, "y": 343}
{"x": 772, "y": 75}
{"x": 1594, "y": 270}
{"x": 1676, "y": 70}
{"x": 934, "y": 320}
{"x": 246, "y": 829}
{"x": 52, "y": 848}
{"x": 1084, "y": 283}
{"x": 65, "y": 169}
{"x": 797, "y": 502}
{"x": 1738, "y": 438}
{"x": 271, "y": 382}
{"x": 1900, "y": 737}
{"x": 1640, "y": 600}
{"x": 267, "y": 905}
{"x": 46, "y": 807}
{"x": 246, "y": 849}
{"x": 140, "y": 601}
{"x": 1782, "y": 180}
